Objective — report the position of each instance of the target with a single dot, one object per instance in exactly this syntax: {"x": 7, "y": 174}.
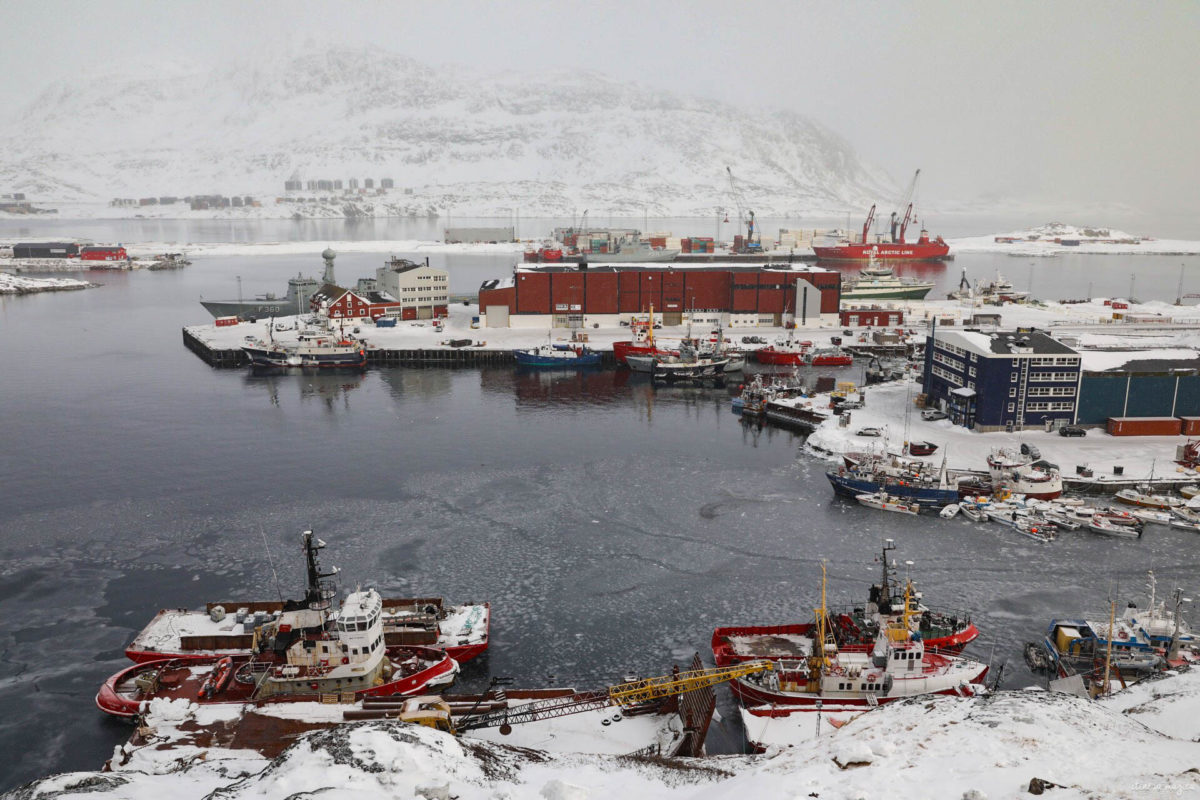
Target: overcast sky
{"x": 1089, "y": 102}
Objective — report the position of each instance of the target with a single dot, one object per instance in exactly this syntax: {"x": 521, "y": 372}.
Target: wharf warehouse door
{"x": 497, "y": 316}
{"x": 425, "y": 312}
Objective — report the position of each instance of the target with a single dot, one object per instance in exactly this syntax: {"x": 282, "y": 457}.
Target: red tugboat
{"x": 829, "y": 357}
{"x": 895, "y": 666}
{"x": 308, "y": 651}
{"x": 888, "y": 601}
{"x": 787, "y": 352}
{"x": 184, "y": 634}
{"x": 924, "y": 249}
{"x": 643, "y": 341}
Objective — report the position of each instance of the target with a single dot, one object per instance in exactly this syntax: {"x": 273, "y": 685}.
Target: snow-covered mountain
{"x": 548, "y": 144}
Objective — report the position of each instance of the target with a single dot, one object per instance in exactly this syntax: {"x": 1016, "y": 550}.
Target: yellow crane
{"x": 434, "y": 712}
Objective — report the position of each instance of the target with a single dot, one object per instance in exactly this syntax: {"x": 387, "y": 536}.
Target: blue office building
{"x": 1002, "y": 380}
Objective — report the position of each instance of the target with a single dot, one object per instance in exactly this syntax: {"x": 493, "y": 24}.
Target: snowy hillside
{"x": 947, "y": 747}
{"x": 547, "y": 144}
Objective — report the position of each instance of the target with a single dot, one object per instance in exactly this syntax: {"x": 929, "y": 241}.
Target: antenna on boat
{"x": 271, "y": 561}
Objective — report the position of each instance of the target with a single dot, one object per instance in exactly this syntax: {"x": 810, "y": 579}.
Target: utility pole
{"x": 1179, "y": 291}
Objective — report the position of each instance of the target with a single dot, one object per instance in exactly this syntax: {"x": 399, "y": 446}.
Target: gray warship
{"x": 300, "y": 289}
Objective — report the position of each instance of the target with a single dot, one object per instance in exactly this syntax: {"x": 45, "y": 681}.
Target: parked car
{"x": 850, "y": 404}
{"x": 868, "y": 432}
{"x": 1071, "y": 430}
{"x": 847, "y": 332}
{"x": 933, "y": 415}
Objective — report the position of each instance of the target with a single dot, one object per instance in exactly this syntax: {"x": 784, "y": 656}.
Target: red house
{"x": 103, "y": 253}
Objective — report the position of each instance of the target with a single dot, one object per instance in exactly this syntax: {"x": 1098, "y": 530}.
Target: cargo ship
{"x": 898, "y": 248}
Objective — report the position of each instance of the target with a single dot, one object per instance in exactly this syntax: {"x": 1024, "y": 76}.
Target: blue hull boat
{"x": 852, "y": 485}
{"x": 558, "y": 356}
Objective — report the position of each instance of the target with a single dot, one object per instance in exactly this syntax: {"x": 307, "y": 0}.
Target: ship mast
{"x": 319, "y": 593}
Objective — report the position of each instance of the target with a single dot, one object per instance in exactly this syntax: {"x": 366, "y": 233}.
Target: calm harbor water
{"x": 611, "y": 524}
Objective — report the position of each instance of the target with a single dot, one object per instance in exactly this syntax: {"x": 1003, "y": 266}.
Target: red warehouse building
{"x": 733, "y": 296}
{"x": 871, "y": 317}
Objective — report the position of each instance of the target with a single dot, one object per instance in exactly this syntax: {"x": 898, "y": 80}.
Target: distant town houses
{"x": 201, "y": 202}
{"x": 348, "y": 186}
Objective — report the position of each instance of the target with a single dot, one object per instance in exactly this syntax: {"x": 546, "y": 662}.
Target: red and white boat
{"x": 944, "y": 630}
{"x": 305, "y": 654}
{"x": 228, "y": 628}
{"x": 642, "y": 343}
{"x": 924, "y": 249}
{"x": 895, "y": 667}
{"x": 788, "y": 352}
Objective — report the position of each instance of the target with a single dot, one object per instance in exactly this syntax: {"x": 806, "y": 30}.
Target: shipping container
{"x": 225, "y": 322}
{"x": 1144, "y": 426}
{"x": 685, "y": 245}
{"x": 1190, "y": 426}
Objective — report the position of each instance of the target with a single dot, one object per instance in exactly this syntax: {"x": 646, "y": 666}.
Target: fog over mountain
{"x": 458, "y": 138}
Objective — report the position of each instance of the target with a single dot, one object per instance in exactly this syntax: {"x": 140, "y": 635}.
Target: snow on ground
{"x": 945, "y": 747}
{"x": 1039, "y": 241}
{"x": 20, "y": 284}
{"x": 886, "y": 405}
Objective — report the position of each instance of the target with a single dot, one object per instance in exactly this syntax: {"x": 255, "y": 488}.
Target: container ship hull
{"x": 916, "y": 251}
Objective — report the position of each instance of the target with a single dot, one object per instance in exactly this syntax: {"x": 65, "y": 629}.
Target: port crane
{"x": 753, "y": 241}
{"x": 434, "y": 712}
{"x": 907, "y": 205}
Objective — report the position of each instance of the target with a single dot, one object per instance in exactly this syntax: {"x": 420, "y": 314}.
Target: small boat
{"x": 1107, "y": 525}
{"x": 1183, "y": 524}
{"x": 976, "y": 512}
{"x": 1150, "y": 516}
{"x": 1189, "y": 492}
{"x": 886, "y": 502}
{"x": 557, "y": 356}
{"x": 950, "y": 511}
{"x": 1024, "y": 524}
{"x": 1134, "y": 497}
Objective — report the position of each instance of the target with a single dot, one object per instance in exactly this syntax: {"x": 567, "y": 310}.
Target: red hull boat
{"x": 787, "y": 353}
{"x": 924, "y": 249}
{"x": 232, "y": 680}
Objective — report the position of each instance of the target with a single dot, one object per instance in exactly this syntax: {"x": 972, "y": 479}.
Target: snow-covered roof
{"x": 1022, "y": 342}
{"x": 1161, "y": 359}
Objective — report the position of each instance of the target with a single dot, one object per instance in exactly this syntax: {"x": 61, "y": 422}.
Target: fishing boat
{"x": 1022, "y": 471}
{"x": 313, "y": 349}
{"x": 942, "y": 629}
{"x": 1160, "y": 625}
{"x": 557, "y": 356}
{"x": 1143, "y": 498}
{"x": 914, "y": 484}
{"x": 699, "y": 369}
{"x": 308, "y": 651}
{"x": 229, "y": 628}
{"x": 788, "y": 352}
{"x": 1079, "y": 642}
{"x": 895, "y": 666}
{"x": 883, "y": 501}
